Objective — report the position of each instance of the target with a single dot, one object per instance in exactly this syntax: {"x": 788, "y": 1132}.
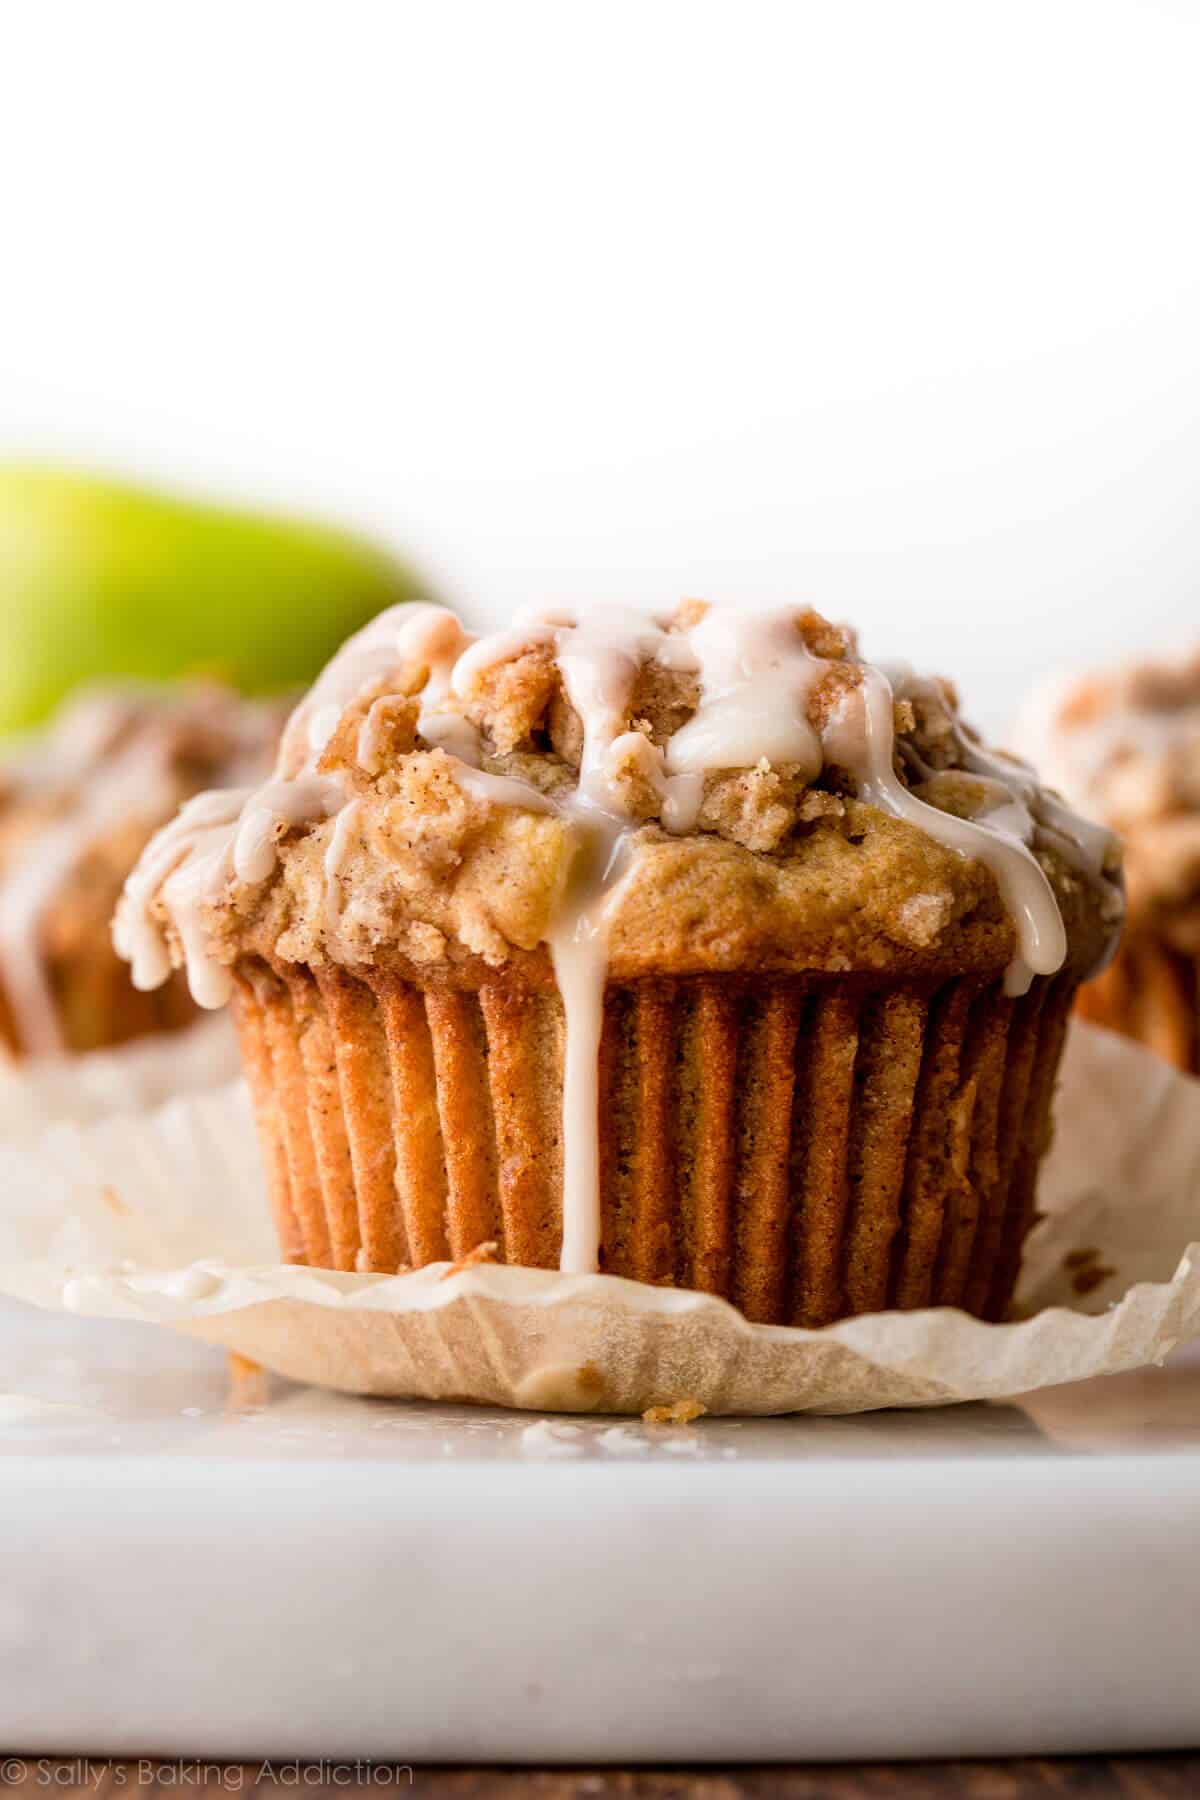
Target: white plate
{"x": 330, "y": 1577}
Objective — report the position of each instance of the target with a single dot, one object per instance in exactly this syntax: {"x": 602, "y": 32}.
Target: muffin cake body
{"x": 1126, "y": 747}
{"x": 685, "y": 947}
{"x": 78, "y": 804}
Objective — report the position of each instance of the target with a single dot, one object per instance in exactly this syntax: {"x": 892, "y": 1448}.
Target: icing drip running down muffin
{"x": 1126, "y": 747}
{"x": 77, "y": 806}
{"x": 687, "y": 947}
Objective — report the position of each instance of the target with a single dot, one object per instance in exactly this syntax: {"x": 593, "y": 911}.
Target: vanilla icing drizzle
{"x": 755, "y": 675}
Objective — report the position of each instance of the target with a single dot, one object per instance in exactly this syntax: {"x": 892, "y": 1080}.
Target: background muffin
{"x": 1125, "y": 745}
{"x": 77, "y": 806}
{"x": 688, "y": 948}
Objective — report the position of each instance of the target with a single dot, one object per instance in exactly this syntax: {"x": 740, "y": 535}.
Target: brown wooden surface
{"x": 1175, "y": 1777}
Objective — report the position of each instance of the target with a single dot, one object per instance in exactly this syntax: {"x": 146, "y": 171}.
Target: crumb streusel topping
{"x": 433, "y": 791}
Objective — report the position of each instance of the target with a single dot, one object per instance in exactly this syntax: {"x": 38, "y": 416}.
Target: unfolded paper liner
{"x": 130, "y": 1078}
{"x": 164, "y": 1218}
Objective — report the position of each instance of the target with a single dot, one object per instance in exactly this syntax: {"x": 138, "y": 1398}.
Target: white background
{"x": 893, "y": 307}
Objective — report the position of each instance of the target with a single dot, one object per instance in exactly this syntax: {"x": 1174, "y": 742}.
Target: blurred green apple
{"x": 99, "y": 580}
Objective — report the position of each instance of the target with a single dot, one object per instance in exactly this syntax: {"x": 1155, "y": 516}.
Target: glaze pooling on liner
{"x": 756, "y": 678}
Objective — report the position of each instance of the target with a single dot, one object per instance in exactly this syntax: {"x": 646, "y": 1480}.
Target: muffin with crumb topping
{"x": 1125, "y": 745}
{"x": 78, "y": 803}
{"x": 685, "y": 947}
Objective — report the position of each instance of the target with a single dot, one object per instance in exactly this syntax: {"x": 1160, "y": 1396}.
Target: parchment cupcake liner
{"x": 164, "y": 1217}
{"x": 806, "y": 1150}
{"x": 130, "y": 1078}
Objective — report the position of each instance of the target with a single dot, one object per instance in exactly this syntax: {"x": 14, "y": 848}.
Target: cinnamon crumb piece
{"x": 511, "y": 697}
{"x": 395, "y": 725}
{"x": 921, "y": 919}
{"x": 825, "y": 639}
{"x": 817, "y": 804}
{"x": 1090, "y": 1278}
{"x": 1090, "y": 1272}
{"x": 675, "y": 1412}
{"x": 249, "y": 1384}
{"x": 364, "y": 1266}
{"x": 388, "y": 731}
{"x": 482, "y": 1253}
{"x": 425, "y": 943}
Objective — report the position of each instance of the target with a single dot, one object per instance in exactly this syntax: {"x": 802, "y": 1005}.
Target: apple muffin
{"x": 1125, "y": 745}
{"x": 78, "y": 804}
{"x": 685, "y": 947}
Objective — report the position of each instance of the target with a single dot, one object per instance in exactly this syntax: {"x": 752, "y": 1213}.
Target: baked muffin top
{"x": 79, "y": 801}
{"x": 733, "y": 789}
{"x": 1125, "y": 745}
